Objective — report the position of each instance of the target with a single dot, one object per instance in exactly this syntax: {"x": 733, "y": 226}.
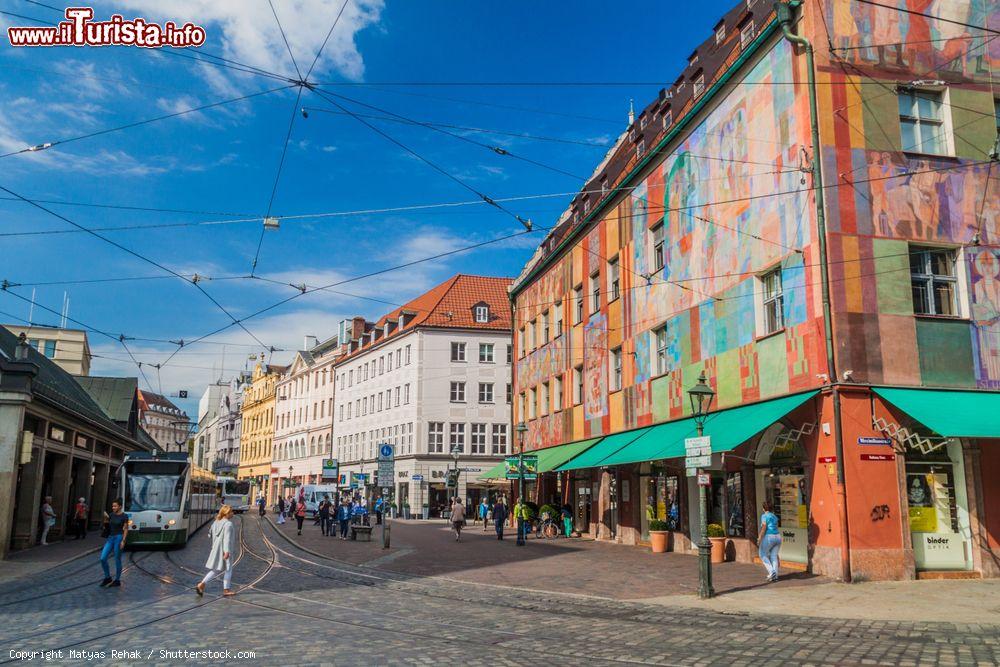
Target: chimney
{"x": 309, "y": 342}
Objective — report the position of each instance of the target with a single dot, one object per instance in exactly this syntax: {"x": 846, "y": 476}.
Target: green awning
{"x": 727, "y": 428}
{"x": 551, "y": 458}
{"x": 496, "y": 472}
{"x": 548, "y": 458}
{"x": 952, "y": 414}
{"x": 607, "y": 446}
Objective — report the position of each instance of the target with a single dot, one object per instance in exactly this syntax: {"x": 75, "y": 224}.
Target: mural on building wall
{"x": 984, "y": 273}
{"x": 867, "y": 34}
{"x": 595, "y": 368}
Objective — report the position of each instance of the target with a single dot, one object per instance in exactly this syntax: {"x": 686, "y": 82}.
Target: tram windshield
{"x": 160, "y": 490}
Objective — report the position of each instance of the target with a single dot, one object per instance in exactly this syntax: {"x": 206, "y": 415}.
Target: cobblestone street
{"x": 296, "y": 607}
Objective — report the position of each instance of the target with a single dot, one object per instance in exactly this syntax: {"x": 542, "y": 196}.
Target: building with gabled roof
{"x": 432, "y": 379}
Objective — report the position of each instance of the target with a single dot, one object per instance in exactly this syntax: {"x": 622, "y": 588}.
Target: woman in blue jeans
{"x": 116, "y": 525}
{"x": 770, "y": 541}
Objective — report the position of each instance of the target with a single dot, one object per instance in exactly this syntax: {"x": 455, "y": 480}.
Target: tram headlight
{"x": 171, "y": 522}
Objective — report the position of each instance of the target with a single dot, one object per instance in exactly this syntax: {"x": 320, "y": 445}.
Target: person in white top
{"x": 48, "y": 519}
{"x": 220, "y": 560}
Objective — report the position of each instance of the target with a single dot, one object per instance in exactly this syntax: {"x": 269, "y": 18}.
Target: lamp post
{"x": 521, "y": 429}
{"x": 455, "y": 453}
{"x": 701, "y": 400}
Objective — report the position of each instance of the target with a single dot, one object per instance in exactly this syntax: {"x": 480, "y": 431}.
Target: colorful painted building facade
{"x": 698, "y": 246}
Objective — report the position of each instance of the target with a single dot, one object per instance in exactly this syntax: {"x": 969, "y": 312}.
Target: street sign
{"x": 878, "y": 457}
{"x": 386, "y": 465}
{"x": 530, "y": 462}
{"x": 874, "y": 441}
{"x": 704, "y": 480}
{"x": 698, "y": 452}
{"x": 417, "y": 478}
{"x": 828, "y": 459}
{"x": 698, "y": 461}
{"x": 331, "y": 469}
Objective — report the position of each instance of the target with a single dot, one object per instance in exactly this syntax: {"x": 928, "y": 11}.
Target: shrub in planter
{"x": 659, "y": 536}
{"x": 551, "y": 509}
{"x": 717, "y": 536}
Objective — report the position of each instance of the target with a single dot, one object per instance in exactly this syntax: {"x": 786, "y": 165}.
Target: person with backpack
{"x": 323, "y": 512}
{"x": 299, "y": 510}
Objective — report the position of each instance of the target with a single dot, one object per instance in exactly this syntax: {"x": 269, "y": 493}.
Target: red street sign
{"x": 878, "y": 457}
{"x": 704, "y": 480}
{"x": 828, "y": 459}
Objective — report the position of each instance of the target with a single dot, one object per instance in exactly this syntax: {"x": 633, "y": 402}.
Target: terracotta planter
{"x": 718, "y": 549}
{"x": 659, "y": 540}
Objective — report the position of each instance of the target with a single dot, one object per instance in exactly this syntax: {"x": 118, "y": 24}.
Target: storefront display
{"x": 661, "y": 498}
{"x": 935, "y": 493}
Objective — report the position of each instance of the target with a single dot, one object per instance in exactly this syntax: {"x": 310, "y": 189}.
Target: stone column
{"x": 15, "y": 393}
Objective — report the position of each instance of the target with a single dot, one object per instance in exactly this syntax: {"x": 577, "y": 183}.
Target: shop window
{"x": 734, "y": 505}
{"x": 933, "y": 280}
{"x": 661, "y": 495}
{"x": 922, "y": 123}
{"x": 938, "y": 508}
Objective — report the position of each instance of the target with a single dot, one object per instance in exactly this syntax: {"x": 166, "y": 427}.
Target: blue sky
{"x": 224, "y": 160}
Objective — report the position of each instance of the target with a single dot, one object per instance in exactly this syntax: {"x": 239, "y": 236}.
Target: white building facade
{"x": 303, "y": 429}
{"x": 432, "y": 379}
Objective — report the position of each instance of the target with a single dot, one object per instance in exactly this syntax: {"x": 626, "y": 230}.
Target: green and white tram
{"x": 235, "y": 493}
{"x": 166, "y": 496}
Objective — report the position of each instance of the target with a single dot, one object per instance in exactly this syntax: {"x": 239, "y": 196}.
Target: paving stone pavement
{"x": 296, "y": 608}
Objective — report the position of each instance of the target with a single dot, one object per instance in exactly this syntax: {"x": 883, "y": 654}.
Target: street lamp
{"x": 701, "y": 400}
{"x": 521, "y": 429}
{"x": 455, "y": 453}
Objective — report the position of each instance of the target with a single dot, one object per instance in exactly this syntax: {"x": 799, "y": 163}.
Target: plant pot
{"x": 659, "y": 540}
{"x": 406, "y": 513}
{"x": 427, "y": 512}
{"x": 718, "y": 549}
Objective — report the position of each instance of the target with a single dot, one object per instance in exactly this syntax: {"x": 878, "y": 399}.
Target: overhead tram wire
{"x": 325, "y": 40}
{"x": 141, "y": 257}
{"x": 371, "y": 274}
{"x": 277, "y": 178}
{"x": 151, "y": 209}
{"x": 58, "y": 142}
{"x": 496, "y": 149}
{"x": 492, "y": 202}
{"x": 285, "y": 40}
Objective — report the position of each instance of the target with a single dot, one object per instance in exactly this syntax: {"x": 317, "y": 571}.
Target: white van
{"x": 313, "y": 494}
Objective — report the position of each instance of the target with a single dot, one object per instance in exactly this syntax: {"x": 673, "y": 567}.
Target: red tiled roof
{"x": 450, "y": 305}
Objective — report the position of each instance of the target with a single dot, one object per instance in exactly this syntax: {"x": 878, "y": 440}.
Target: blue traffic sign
{"x": 385, "y": 451}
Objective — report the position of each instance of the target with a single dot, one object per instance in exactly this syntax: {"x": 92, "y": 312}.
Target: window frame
{"x": 941, "y": 126}
{"x": 489, "y": 357}
{"x": 614, "y": 279}
{"x": 933, "y": 279}
{"x": 595, "y": 292}
{"x": 456, "y": 393}
{"x": 617, "y": 376}
{"x": 486, "y": 393}
{"x": 458, "y": 352}
{"x": 772, "y": 316}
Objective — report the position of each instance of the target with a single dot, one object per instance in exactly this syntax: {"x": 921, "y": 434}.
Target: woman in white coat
{"x": 220, "y": 557}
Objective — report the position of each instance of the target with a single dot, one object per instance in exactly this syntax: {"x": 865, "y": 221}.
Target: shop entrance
{"x": 938, "y": 509}
{"x": 660, "y": 496}
{"x": 437, "y": 499}
{"x": 781, "y": 480}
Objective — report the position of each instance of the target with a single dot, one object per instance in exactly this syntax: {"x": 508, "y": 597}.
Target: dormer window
{"x": 699, "y": 84}
{"x": 640, "y": 148}
{"x": 668, "y": 118}
{"x": 586, "y": 206}
{"x": 746, "y": 34}
{"x": 693, "y": 58}
{"x": 642, "y": 122}
{"x": 604, "y": 185}
{"x": 481, "y": 313}
{"x": 720, "y": 33}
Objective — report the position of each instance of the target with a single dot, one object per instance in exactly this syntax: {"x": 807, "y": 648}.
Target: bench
{"x": 361, "y": 533}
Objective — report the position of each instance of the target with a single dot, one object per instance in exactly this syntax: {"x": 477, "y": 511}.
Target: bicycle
{"x": 548, "y": 527}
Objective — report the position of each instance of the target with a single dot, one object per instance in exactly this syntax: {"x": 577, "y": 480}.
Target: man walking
{"x": 499, "y": 517}
{"x": 521, "y": 516}
{"x": 344, "y": 517}
{"x": 484, "y": 514}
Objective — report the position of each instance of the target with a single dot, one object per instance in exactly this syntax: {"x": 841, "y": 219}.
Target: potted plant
{"x": 717, "y": 536}
{"x": 406, "y": 510}
{"x": 426, "y": 511}
{"x": 659, "y": 536}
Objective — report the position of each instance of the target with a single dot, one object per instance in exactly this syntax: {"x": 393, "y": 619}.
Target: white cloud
{"x": 247, "y": 32}
{"x": 329, "y": 149}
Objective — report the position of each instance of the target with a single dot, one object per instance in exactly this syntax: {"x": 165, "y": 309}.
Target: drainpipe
{"x": 783, "y": 10}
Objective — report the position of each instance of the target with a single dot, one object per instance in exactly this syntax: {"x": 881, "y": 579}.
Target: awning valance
{"x": 727, "y": 428}
{"x": 953, "y": 414}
